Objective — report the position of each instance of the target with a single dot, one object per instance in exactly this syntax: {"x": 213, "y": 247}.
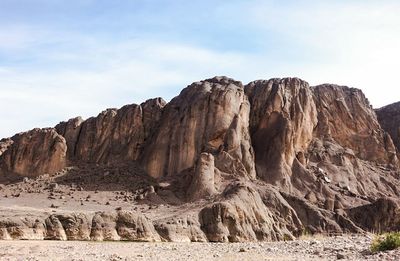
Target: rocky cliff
{"x": 389, "y": 118}
{"x": 269, "y": 160}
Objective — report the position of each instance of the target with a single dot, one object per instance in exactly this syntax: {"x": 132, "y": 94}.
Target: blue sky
{"x": 60, "y": 59}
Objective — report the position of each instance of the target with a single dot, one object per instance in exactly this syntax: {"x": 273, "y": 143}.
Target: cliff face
{"x": 112, "y": 136}
{"x": 282, "y": 119}
{"x": 345, "y": 115}
{"x": 33, "y": 153}
{"x": 263, "y": 161}
{"x": 389, "y": 118}
{"x": 208, "y": 116}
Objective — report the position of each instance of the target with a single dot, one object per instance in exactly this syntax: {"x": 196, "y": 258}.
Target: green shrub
{"x": 385, "y": 242}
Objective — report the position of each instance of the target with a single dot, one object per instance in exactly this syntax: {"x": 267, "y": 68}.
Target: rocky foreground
{"x": 222, "y": 162}
{"x": 320, "y": 248}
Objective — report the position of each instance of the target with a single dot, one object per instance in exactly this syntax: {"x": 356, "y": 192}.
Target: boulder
{"x": 241, "y": 216}
{"x": 180, "y": 229}
{"x": 124, "y": 226}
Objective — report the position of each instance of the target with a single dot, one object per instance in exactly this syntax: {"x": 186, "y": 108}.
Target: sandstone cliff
{"x": 266, "y": 161}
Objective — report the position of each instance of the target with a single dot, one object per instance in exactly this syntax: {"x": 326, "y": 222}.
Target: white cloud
{"x": 115, "y": 75}
{"x": 351, "y": 43}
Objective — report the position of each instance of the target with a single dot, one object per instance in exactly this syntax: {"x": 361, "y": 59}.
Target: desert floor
{"x": 351, "y": 247}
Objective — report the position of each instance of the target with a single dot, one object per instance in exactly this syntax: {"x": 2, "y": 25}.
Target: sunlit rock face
{"x": 283, "y": 117}
{"x": 32, "y": 153}
{"x": 208, "y": 116}
{"x": 114, "y": 135}
{"x": 345, "y": 115}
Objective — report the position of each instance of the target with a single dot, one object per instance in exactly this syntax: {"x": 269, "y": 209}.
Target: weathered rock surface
{"x": 267, "y": 161}
{"x": 103, "y": 226}
{"x": 207, "y": 116}
{"x": 345, "y": 115}
{"x": 180, "y": 229}
{"x": 283, "y": 117}
{"x": 380, "y": 216}
{"x": 123, "y": 225}
{"x": 32, "y": 153}
{"x": 68, "y": 227}
{"x": 389, "y": 118}
{"x": 22, "y": 229}
{"x": 203, "y": 182}
{"x": 240, "y": 217}
{"x": 114, "y": 135}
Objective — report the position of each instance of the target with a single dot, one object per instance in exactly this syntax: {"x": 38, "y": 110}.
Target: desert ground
{"x": 350, "y": 247}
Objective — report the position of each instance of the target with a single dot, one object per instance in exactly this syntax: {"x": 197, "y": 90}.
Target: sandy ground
{"x": 351, "y": 247}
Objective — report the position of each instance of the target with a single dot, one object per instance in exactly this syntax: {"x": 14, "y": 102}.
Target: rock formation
{"x": 283, "y": 117}
{"x": 270, "y": 160}
{"x": 345, "y": 115}
{"x": 33, "y": 153}
{"x": 112, "y": 136}
{"x": 389, "y": 118}
{"x": 208, "y": 116}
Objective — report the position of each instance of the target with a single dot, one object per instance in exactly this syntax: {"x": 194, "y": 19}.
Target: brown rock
{"x": 208, "y": 116}
{"x": 180, "y": 229}
{"x": 114, "y": 135}
{"x": 282, "y": 119}
{"x": 33, "y": 153}
{"x": 16, "y": 228}
{"x": 203, "y": 180}
{"x": 389, "y": 118}
{"x": 242, "y": 216}
{"x": 345, "y": 115}
{"x": 122, "y": 225}
{"x": 380, "y": 216}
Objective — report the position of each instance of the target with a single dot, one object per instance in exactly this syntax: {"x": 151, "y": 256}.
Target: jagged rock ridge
{"x": 265, "y": 161}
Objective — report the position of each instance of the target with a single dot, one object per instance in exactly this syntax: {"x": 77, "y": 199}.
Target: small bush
{"x": 386, "y": 242}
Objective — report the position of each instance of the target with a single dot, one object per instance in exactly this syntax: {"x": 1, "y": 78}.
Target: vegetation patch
{"x": 386, "y": 242}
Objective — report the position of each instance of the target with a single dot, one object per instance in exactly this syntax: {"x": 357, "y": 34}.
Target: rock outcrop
{"x": 380, "y": 216}
{"x": 283, "y": 117}
{"x": 267, "y": 161}
{"x": 33, "y": 153}
{"x": 123, "y": 225}
{"x": 241, "y": 216}
{"x": 208, "y": 116}
{"x": 203, "y": 182}
{"x": 112, "y": 136}
{"x": 345, "y": 115}
{"x": 389, "y": 118}
{"x": 103, "y": 226}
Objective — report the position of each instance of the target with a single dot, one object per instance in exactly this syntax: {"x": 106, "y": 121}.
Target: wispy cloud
{"x": 65, "y": 59}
